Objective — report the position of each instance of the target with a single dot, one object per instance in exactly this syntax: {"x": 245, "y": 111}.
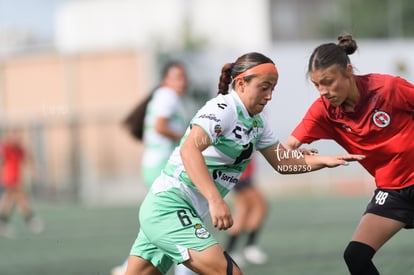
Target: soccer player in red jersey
{"x": 371, "y": 115}
{"x": 13, "y": 156}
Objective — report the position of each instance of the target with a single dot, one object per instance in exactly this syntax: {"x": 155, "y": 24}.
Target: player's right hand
{"x": 220, "y": 214}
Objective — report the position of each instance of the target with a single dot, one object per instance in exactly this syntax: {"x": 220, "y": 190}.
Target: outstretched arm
{"x": 294, "y": 161}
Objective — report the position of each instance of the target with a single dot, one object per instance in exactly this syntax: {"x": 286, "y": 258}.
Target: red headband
{"x": 264, "y": 68}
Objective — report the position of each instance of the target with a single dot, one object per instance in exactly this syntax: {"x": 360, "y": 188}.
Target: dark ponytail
{"x": 225, "y": 79}
{"x": 134, "y": 122}
{"x": 242, "y": 64}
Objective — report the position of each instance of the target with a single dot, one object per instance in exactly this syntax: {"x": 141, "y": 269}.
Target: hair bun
{"x": 347, "y": 43}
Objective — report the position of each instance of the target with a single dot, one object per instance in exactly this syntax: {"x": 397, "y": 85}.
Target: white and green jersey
{"x": 234, "y": 136}
{"x": 165, "y": 103}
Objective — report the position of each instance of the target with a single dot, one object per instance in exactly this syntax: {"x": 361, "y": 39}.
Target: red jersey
{"x": 12, "y": 155}
{"x": 381, "y": 127}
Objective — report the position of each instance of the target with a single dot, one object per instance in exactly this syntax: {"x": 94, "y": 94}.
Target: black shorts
{"x": 396, "y": 204}
{"x": 243, "y": 184}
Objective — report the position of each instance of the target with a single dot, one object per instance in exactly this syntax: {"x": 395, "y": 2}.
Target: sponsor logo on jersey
{"x": 381, "y": 119}
{"x": 240, "y": 132}
{"x": 223, "y": 177}
{"x": 237, "y": 132}
{"x": 222, "y": 105}
{"x": 201, "y": 232}
{"x": 210, "y": 117}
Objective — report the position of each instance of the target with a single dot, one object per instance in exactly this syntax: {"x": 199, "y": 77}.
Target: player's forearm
{"x": 287, "y": 161}
{"x": 301, "y": 165}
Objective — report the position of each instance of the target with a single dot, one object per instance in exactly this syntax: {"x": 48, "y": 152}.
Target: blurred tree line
{"x": 320, "y": 19}
{"x": 372, "y": 19}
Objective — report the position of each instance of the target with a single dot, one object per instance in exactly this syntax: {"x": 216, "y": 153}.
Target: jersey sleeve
{"x": 214, "y": 117}
{"x": 403, "y": 93}
{"x": 268, "y": 137}
{"x": 166, "y": 101}
{"x": 314, "y": 125}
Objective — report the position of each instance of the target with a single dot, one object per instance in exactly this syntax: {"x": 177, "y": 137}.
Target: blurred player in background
{"x": 13, "y": 157}
{"x": 373, "y": 115}
{"x": 250, "y": 209}
{"x": 159, "y": 122}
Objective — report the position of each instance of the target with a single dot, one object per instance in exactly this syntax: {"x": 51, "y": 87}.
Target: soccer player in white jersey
{"x": 159, "y": 122}
{"x": 214, "y": 151}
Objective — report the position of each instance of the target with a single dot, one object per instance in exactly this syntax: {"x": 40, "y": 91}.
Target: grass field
{"x": 303, "y": 235}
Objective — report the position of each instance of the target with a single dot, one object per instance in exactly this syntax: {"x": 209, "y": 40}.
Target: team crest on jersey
{"x": 201, "y": 232}
{"x": 217, "y": 129}
{"x": 381, "y": 119}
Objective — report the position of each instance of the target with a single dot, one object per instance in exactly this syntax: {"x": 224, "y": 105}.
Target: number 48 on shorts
{"x": 381, "y": 197}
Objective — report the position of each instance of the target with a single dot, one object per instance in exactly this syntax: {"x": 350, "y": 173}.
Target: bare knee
{"x": 137, "y": 265}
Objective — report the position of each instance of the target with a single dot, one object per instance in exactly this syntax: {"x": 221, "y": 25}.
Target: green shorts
{"x": 169, "y": 227}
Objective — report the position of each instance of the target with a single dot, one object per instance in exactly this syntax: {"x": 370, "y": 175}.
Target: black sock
{"x": 251, "y": 237}
{"x": 231, "y": 242}
{"x": 358, "y": 258}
